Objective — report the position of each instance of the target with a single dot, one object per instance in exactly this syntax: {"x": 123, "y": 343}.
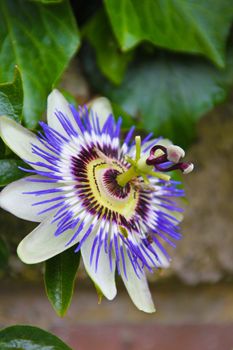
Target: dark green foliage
{"x": 40, "y": 39}
{"x": 29, "y": 338}
{"x": 4, "y": 254}
{"x": 60, "y": 273}
{"x": 186, "y": 26}
{"x": 9, "y": 170}
{"x": 11, "y": 97}
{"x": 111, "y": 61}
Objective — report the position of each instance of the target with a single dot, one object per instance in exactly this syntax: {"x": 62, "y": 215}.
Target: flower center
{"x": 112, "y": 185}
{"x": 106, "y": 190}
{"x": 158, "y": 158}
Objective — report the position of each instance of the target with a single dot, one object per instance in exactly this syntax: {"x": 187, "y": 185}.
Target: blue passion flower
{"x": 112, "y": 201}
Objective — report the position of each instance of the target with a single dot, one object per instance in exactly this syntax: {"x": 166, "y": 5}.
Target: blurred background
{"x": 167, "y": 66}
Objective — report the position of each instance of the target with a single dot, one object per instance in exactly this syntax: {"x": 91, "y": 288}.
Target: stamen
{"x": 160, "y": 175}
{"x": 187, "y": 168}
{"x": 123, "y": 231}
{"x": 172, "y": 154}
{"x": 184, "y": 167}
{"x": 175, "y": 153}
{"x": 143, "y": 167}
{"x": 125, "y": 177}
{"x": 161, "y": 158}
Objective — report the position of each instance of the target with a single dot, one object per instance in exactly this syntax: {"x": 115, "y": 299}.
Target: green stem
{"x": 124, "y": 178}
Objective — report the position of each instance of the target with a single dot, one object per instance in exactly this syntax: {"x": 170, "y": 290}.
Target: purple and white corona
{"x": 112, "y": 201}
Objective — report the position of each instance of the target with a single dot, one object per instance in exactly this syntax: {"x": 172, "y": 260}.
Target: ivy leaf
{"x": 111, "y": 61}
{"x": 169, "y": 93}
{"x": 29, "y": 338}
{"x": 47, "y": 1}
{"x": 40, "y": 39}
{"x": 60, "y": 273}
{"x": 9, "y": 171}
{"x": 188, "y": 26}
{"x": 11, "y": 97}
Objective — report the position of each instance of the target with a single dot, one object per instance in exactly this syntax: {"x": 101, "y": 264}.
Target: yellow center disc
{"x": 126, "y": 206}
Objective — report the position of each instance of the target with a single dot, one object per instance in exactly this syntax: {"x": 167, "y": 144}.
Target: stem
{"x": 124, "y": 178}
{"x": 160, "y": 175}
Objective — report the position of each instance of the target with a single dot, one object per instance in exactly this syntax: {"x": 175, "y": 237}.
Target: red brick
{"x": 148, "y": 337}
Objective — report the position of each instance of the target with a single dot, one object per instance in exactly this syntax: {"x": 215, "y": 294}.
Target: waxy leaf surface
{"x": 111, "y": 60}
{"x": 188, "y": 26}
{"x": 60, "y": 273}
{"x": 11, "y": 97}
{"x": 40, "y": 39}
{"x": 29, "y": 338}
{"x": 9, "y": 171}
{"x": 167, "y": 94}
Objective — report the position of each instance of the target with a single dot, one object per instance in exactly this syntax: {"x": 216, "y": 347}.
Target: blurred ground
{"x": 193, "y": 318}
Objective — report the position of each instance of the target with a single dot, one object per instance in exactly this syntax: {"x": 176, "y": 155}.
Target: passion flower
{"x": 114, "y": 202}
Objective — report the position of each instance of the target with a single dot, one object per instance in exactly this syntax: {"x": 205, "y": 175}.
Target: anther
{"x": 184, "y": 167}
{"x": 175, "y": 153}
{"x": 160, "y": 158}
{"x": 187, "y": 168}
{"x": 172, "y": 154}
{"x": 123, "y": 231}
{"x": 149, "y": 240}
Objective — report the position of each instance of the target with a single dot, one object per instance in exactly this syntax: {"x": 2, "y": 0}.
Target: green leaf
{"x": 2, "y": 148}
{"x": 4, "y": 254}
{"x": 188, "y": 26}
{"x": 9, "y": 171}
{"x": 47, "y": 1}
{"x": 168, "y": 94}
{"x": 111, "y": 61}
{"x": 60, "y": 273}
{"x": 29, "y": 338}
{"x": 11, "y": 97}
{"x": 40, "y": 39}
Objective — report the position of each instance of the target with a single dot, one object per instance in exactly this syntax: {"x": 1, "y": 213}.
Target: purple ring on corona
{"x": 102, "y": 197}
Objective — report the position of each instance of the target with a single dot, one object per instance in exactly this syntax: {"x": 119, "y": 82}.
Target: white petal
{"x": 164, "y": 142}
{"x": 41, "y": 244}
{"x": 101, "y": 107}
{"x": 19, "y": 204}
{"x": 164, "y": 261}
{"x": 57, "y": 103}
{"x": 104, "y": 278}
{"x": 137, "y": 288}
{"x": 18, "y": 139}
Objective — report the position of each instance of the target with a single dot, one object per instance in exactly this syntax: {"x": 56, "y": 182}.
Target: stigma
{"x": 166, "y": 159}
{"x": 161, "y": 160}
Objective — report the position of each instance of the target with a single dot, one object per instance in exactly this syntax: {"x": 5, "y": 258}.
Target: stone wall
{"x": 205, "y": 254}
